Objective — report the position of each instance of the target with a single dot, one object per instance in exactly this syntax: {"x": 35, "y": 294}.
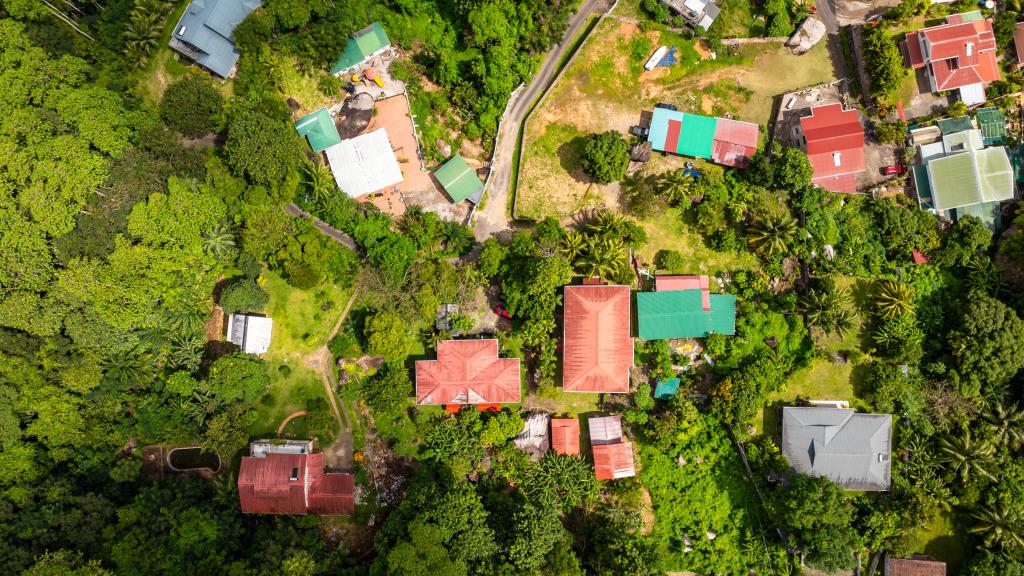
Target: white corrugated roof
{"x": 364, "y": 164}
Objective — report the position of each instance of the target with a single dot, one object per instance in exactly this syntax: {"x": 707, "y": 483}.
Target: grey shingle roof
{"x": 851, "y": 449}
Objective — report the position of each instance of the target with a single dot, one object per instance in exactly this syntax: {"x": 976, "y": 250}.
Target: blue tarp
{"x": 668, "y": 59}
{"x": 666, "y": 389}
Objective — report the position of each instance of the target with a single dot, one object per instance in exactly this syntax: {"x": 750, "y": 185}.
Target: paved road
{"x": 493, "y": 218}
{"x": 827, "y": 14}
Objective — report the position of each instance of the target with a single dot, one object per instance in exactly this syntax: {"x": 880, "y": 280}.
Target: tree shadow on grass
{"x": 570, "y": 155}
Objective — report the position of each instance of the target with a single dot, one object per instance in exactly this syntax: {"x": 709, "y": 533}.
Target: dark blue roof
{"x": 207, "y": 25}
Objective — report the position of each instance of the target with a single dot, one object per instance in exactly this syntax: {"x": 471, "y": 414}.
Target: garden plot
{"x": 606, "y": 88}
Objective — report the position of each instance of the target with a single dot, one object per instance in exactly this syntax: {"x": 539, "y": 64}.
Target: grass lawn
{"x": 822, "y": 380}
{"x": 287, "y": 394}
{"x": 666, "y": 231}
{"x": 162, "y": 68}
{"x": 300, "y": 323}
{"x": 303, "y": 88}
{"x": 943, "y": 540}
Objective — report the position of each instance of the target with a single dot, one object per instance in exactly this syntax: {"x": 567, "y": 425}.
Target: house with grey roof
{"x": 203, "y": 34}
{"x": 852, "y": 449}
{"x": 697, "y": 13}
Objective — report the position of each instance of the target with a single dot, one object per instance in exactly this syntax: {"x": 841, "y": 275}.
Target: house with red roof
{"x": 565, "y": 436}
{"x": 285, "y": 478}
{"x": 598, "y": 348}
{"x": 958, "y": 55}
{"x": 914, "y": 566}
{"x": 834, "y": 141}
{"x": 613, "y": 457}
{"x": 467, "y": 372}
{"x": 1018, "y": 43}
{"x": 721, "y": 140}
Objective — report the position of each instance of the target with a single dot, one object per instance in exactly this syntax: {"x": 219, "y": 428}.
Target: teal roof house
{"x": 364, "y": 45}
{"x": 203, "y": 34}
{"x": 319, "y": 130}
{"x": 683, "y": 307}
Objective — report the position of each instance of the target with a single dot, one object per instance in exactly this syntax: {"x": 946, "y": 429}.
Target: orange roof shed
{"x": 565, "y": 436}
{"x": 613, "y": 461}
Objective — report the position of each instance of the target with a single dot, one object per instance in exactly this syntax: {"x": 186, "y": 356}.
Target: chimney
{"x": 970, "y": 48}
{"x": 837, "y": 158}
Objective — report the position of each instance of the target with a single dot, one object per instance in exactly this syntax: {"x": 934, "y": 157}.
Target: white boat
{"x": 653, "y": 60}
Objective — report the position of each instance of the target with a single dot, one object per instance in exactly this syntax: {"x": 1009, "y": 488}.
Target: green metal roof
{"x": 361, "y": 45}
{"x": 992, "y": 124}
{"x": 666, "y": 389}
{"x": 680, "y": 314}
{"x": 972, "y": 16}
{"x": 954, "y": 125}
{"x": 923, "y": 187}
{"x": 319, "y": 129}
{"x": 697, "y": 136}
{"x": 458, "y": 179}
{"x": 972, "y": 177}
{"x": 987, "y": 212}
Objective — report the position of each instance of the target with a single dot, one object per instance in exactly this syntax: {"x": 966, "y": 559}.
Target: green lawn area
{"x": 301, "y": 325}
{"x": 162, "y": 68}
{"x": 666, "y": 231}
{"x": 288, "y": 393}
{"x": 822, "y": 380}
{"x": 941, "y": 539}
{"x": 305, "y": 89}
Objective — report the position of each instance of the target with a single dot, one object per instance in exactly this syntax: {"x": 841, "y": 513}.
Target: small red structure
{"x": 613, "y": 458}
{"x": 565, "y": 436}
{"x": 1018, "y": 42}
{"x": 835, "y": 147}
{"x": 598, "y": 347}
{"x": 467, "y": 372}
{"x": 958, "y": 55}
{"x": 916, "y": 566}
{"x": 919, "y": 257}
{"x": 670, "y": 283}
{"x": 296, "y": 484}
{"x": 734, "y": 142}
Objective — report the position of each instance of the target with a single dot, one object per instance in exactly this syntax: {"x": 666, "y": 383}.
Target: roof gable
{"x": 680, "y": 314}
{"x": 852, "y": 449}
{"x": 459, "y": 180}
{"x": 361, "y": 46}
{"x": 467, "y": 372}
{"x": 598, "y": 347}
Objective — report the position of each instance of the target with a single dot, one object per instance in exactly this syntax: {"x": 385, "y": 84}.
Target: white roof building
{"x": 250, "y": 333}
{"x": 364, "y": 164}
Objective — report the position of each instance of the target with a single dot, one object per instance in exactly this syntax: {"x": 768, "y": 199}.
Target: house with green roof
{"x": 319, "y": 130}
{"x": 959, "y": 176}
{"x": 992, "y": 124}
{"x": 683, "y": 307}
{"x": 459, "y": 180}
{"x": 364, "y": 45}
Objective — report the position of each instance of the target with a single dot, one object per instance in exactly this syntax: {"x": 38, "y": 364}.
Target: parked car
{"x": 894, "y": 170}
{"x": 666, "y": 106}
{"x": 502, "y": 311}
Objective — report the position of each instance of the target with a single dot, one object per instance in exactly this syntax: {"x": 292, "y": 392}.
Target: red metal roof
{"x": 1018, "y": 41}
{"x": 835, "y": 142}
{"x": 565, "y": 436}
{"x": 266, "y": 486}
{"x": 598, "y": 347}
{"x": 613, "y": 461}
{"x": 467, "y": 372}
{"x": 919, "y": 257}
{"x": 912, "y": 45}
{"x": 915, "y": 567}
{"x": 734, "y": 142}
{"x": 844, "y": 183}
{"x": 958, "y": 53}
{"x": 669, "y": 283}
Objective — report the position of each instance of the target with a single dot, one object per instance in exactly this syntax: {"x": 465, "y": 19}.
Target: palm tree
{"x": 219, "y": 241}
{"x": 573, "y": 244}
{"x": 128, "y": 369}
{"x": 604, "y": 223}
{"x": 319, "y": 182}
{"x": 1006, "y": 423}
{"x": 675, "y": 185}
{"x": 457, "y": 238}
{"x": 999, "y": 526}
{"x": 603, "y": 258}
{"x": 142, "y": 34}
{"x": 772, "y": 234}
{"x": 893, "y": 299}
{"x": 965, "y": 456}
{"x": 186, "y": 351}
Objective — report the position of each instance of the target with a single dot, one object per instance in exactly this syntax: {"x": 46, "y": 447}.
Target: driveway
{"x": 493, "y": 218}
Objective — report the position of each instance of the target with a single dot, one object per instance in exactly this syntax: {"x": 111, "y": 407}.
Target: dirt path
{"x": 289, "y": 418}
{"x": 338, "y": 455}
{"x": 334, "y": 233}
{"x": 493, "y": 218}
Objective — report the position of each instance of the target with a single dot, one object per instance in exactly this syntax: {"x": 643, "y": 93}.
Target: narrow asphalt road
{"x": 493, "y": 218}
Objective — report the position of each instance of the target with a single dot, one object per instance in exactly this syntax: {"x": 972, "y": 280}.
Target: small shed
{"x": 319, "y": 130}
{"x": 992, "y": 124}
{"x": 612, "y": 461}
{"x": 666, "y": 389}
{"x": 250, "y": 333}
{"x": 605, "y": 430}
{"x": 565, "y": 436}
{"x": 459, "y": 180}
{"x": 362, "y": 46}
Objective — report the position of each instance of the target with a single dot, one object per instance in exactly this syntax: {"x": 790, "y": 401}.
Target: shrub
{"x": 192, "y": 106}
{"x": 386, "y": 391}
{"x": 345, "y": 345}
{"x": 669, "y": 260}
{"x": 244, "y": 296}
{"x": 606, "y": 156}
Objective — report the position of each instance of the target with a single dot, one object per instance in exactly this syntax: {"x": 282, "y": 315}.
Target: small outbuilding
{"x": 533, "y": 438}
{"x": 459, "y": 180}
{"x": 319, "y": 130}
{"x": 914, "y": 566}
{"x": 364, "y": 164}
{"x": 666, "y": 389}
{"x": 249, "y": 332}
{"x": 362, "y": 46}
{"x": 613, "y": 457}
{"x": 565, "y": 436}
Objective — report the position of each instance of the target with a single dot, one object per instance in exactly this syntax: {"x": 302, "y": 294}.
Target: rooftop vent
{"x": 970, "y": 48}
{"x": 181, "y": 31}
{"x": 837, "y": 158}
{"x": 295, "y": 474}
